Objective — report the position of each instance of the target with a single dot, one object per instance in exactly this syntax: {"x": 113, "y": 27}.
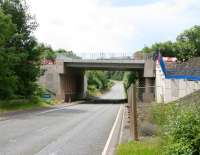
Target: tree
{"x": 68, "y": 54}
{"x": 23, "y": 46}
{"x": 188, "y": 44}
{"x": 7, "y": 75}
{"x": 129, "y": 78}
{"x": 166, "y": 48}
{"x": 46, "y": 52}
{"x": 7, "y": 28}
{"x": 115, "y": 75}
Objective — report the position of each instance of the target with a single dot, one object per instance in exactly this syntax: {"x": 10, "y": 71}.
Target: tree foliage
{"x": 166, "y": 48}
{"x": 7, "y": 28}
{"x": 186, "y": 46}
{"x": 129, "y": 78}
{"x": 68, "y": 54}
{"x": 97, "y": 81}
{"x": 19, "y": 54}
{"x": 46, "y": 52}
{"x": 188, "y": 43}
{"x": 115, "y": 75}
{"x": 179, "y": 126}
{"x": 7, "y": 75}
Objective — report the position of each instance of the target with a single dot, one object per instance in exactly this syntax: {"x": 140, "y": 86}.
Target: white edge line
{"x": 111, "y": 133}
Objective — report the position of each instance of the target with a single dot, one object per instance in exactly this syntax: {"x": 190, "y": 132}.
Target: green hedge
{"x": 179, "y": 128}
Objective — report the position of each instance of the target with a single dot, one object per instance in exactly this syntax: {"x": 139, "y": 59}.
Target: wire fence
{"x": 141, "y": 97}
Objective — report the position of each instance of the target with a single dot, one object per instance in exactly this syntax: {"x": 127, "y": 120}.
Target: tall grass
{"x": 147, "y": 147}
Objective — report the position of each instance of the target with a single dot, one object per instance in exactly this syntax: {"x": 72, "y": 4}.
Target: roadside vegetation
{"x": 98, "y": 82}
{"x": 101, "y": 81}
{"x": 179, "y": 127}
{"x": 145, "y": 147}
{"x": 176, "y": 125}
{"x": 21, "y": 56}
{"x": 168, "y": 129}
{"x": 128, "y": 79}
{"x": 186, "y": 46}
{"x": 13, "y": 105}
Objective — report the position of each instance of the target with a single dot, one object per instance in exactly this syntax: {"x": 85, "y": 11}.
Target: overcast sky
{"x": 111, "y": 25}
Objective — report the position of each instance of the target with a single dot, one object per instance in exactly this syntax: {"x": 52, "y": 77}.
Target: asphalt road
{"x": 116, "y": 92}
{"x": 75, "y": 130}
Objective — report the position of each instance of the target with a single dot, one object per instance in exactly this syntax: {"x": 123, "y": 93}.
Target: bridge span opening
{"x": 68, "y": 81}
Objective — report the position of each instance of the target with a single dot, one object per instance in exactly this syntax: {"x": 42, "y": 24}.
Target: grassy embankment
{"x": 145, "y": 147}
{"x": 18, "y": 105}
{"x": 168, "y": 129}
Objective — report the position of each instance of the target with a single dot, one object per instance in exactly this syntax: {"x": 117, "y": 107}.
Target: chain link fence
{"x": 141, "y": 97}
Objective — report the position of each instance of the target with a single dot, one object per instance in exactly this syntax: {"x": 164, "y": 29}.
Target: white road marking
{"x": 111, "y": 133}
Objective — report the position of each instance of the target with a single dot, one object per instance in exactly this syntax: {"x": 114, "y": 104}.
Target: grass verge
{"x": 146, "y": 147}
{"x": 19, "y": 105}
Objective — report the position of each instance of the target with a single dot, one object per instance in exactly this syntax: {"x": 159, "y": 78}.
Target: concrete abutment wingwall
{"x": 66, "y": 84}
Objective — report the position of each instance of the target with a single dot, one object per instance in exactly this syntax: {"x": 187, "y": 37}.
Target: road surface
{"x": 75, "y": 130}
{"x": 116, "y": 92}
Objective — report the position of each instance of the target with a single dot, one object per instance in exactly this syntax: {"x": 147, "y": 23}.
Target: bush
{"x": 180, "y": 128}
{"x": 161, "y": 112}
{"x": 183, "y": 134}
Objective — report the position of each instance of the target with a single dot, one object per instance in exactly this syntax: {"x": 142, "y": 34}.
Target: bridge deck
{"x": 105, "y": 64}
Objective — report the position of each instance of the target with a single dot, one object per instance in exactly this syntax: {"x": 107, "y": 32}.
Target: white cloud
{"x": 90, "y": 26}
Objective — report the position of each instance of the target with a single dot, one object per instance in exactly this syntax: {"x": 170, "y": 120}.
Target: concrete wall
{"x": 51, "y": 78}
{"x": 149, "y": 81}
{"x": 168, "y": 90}
{"x": 149, "y": 69}
{"x": 65, "y": 83}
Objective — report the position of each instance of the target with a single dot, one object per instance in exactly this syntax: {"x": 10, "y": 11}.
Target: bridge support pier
{"x": 149, "y": 95}
{"x": 73, "y": 85}
{"x": 85, "y": 86}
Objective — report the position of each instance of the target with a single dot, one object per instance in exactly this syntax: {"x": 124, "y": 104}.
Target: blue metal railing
{"x": 180, "y": 72}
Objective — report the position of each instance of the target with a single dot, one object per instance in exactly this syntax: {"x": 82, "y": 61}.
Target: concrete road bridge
{"x": 67, "y": 80}
{"x": 122, "y": 65}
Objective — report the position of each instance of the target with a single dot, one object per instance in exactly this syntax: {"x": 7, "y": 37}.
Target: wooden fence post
{"x": 135, "y": 115}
